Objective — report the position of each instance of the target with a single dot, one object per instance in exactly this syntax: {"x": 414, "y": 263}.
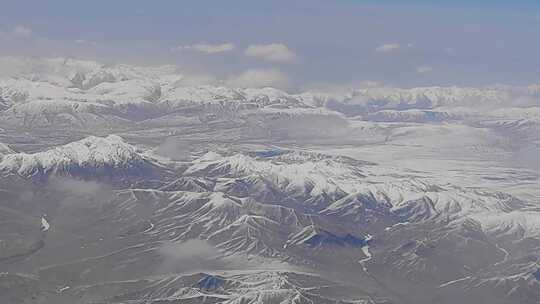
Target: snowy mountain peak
{"x": 95, "y": 154}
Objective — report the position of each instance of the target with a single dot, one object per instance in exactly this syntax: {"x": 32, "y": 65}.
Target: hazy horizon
{"x": 293, "y": 44}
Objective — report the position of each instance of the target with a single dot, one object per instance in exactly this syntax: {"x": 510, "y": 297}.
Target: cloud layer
{"x": 274, "y": 52}
{"x": 390, "y": 47}
{"x": 207, "y": 48}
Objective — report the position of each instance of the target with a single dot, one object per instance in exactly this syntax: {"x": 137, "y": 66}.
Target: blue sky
{"x": 401, "y": 43}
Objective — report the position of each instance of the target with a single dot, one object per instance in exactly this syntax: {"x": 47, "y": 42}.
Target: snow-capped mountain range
{"x": 90, "y": 156}
{"x": 156, "y": 190}
{"x": 45, "y": 92}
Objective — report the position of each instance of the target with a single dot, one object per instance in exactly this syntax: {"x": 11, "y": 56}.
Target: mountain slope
{"x": 90, "y": 156}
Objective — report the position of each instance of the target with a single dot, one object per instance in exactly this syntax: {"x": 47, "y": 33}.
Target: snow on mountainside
{"x": 431, "y": 97}
{"x": 355, "y": 190}
{"x": 236, "y": 177}
{"x": 93, "y": 155}
{"x": 87, "y": 81}
{"x": 45, "y": 92}
{"x": 81, "y": 93}
{"x": 255, "y": 287}
{"x": 308, "y": 208}
{"x": 294, "y": 170}
{"x": 440, "y": 105}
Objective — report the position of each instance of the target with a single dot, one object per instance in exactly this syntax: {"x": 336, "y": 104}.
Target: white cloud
{"x": 257, "y": 78}
{"x": 390, "y": 47}
{"x": 424, "y": 69}
{"x": 207, "y": 48}
{"x": 275, "y": 52}
{"x": 21, "y": 31}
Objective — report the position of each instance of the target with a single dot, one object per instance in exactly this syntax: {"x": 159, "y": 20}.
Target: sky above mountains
{"x": 294, "y": 44}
